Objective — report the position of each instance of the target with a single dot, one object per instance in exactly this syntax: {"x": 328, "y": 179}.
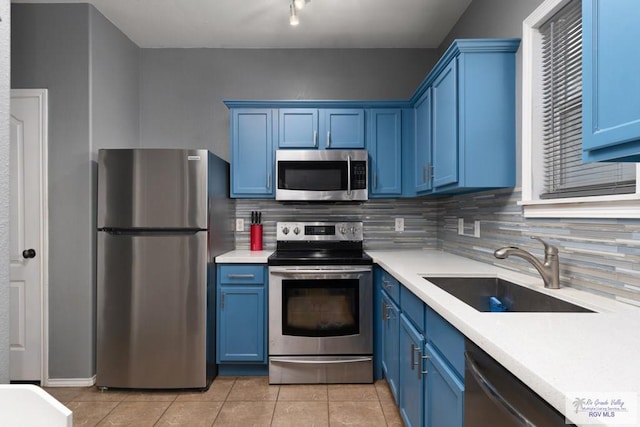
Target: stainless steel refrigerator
{"x": 163, "y": 215}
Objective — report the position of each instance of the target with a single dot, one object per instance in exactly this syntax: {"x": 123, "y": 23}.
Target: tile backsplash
{"x": 378, "y": 216}
{"x": 598, "y": 255}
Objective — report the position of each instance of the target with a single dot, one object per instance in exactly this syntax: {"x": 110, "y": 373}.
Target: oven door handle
{"x": 292, "y": 271}
{"x": 319, "y": 362}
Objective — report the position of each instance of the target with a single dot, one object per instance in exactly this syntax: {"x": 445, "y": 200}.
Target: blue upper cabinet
{"x": 471, "y": 125}
{"x": 611, "y": 80}
{"x": 342, "y": 128}
{"x": 252, "y": 152}
{"x": 321, "y": 128}
{"x": 422, "y": 170}
{"x": 384, "y": 143}
{"x": 298, "y": 128}
{"x": 444, "y": 121}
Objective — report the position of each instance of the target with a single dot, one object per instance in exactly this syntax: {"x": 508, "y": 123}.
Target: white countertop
{"x": 244, "y": 256}
{"x": 559, "y": 355}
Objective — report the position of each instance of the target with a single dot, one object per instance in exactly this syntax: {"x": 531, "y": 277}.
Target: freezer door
{"x": 151, "y": 317}
{"x": 152, "y": 188}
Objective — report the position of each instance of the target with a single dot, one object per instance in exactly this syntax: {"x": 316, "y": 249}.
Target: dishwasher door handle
{"x": 493, "y": 393}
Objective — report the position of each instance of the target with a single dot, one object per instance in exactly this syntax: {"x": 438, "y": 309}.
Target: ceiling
{"x": 265, "y": 23}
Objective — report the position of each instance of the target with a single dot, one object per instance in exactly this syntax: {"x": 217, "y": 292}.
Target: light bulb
{"x": 299, "y": 4}
{"x": 293, "y": 17}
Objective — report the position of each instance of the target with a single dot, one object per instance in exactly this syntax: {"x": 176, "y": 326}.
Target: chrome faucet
{"x": 549, "y": 270}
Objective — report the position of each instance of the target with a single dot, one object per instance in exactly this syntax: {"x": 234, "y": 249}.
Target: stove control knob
{"x": 296, "y": 230}
{"x": 285, "y": 230}
{"x": 343, "y": 229}
{"x": 352, "y": 230}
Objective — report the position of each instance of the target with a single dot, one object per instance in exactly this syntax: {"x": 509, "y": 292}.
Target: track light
{"x": 293, "y": 16}
{"x": 294, "y": 8}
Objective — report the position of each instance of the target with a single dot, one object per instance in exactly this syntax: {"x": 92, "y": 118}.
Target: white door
{"x": 27, "y": 168}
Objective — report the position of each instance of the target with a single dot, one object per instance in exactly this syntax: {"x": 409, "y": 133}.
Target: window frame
{"x": 610, "y": 206}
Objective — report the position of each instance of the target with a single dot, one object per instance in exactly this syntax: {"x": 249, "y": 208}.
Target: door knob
{"x": 29, "y": 253}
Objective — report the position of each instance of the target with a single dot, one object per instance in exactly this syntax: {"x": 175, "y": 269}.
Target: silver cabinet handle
{"x": 387, "y": 284}
{"x": 221, "y": 300}
{"x": 431, "y": 173}
{"x": 348, "y": 175}
{"x": 413, "y": 356}
{"x": 241, "y": 276}
{"x": 315, "y": 138}
{"x": 385, "y": 311}
{"x": 328, "y": 138}
{"x": 375, "y": 180}
{"x": 424, "y": 174}
{"x": 420, "y": 371}
{"x": 268, "y": 181}
{"x": 493, "y": 394}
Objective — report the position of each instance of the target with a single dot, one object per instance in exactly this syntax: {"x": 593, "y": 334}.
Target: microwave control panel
{"x": 359, "y": 175}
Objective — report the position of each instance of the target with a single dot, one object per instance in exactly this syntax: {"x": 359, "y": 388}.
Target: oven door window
{"x": 320, "y": 308}
{"x": 312, "y": 176}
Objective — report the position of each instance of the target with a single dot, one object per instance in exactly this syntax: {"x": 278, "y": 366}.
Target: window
{"x": 556, "y": 183}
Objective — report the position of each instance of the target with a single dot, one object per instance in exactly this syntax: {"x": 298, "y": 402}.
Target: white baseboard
{"x": 70, "y": 382}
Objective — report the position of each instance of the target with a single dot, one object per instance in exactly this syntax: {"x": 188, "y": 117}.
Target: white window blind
{"x": 565, "y": 173}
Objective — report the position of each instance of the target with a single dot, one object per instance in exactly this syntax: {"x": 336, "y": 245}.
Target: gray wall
{"x": 182, "y": 89}
{"x": 87, "y": 67}
{"x": 4, "y": 189}
{"x": 114, "y": 74}
{"x": 491, "y": 18}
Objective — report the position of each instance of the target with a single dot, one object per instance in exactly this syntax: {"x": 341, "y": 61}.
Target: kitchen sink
{"x": 509, "y": 297}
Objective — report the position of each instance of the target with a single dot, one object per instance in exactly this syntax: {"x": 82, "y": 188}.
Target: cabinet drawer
{"x": 447, "y": 339}
{"x": 242, "y": 274}
{"x": 390, "y": 285}
{"x": 412, "y": 307}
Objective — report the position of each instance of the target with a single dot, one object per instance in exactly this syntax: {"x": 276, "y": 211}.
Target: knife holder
{"x": 256, "y": 237}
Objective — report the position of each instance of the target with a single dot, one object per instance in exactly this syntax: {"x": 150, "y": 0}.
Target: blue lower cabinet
{"x": 241, "y": 325}
{"x": 444, "y": 393}
{"x": 390, "y": 340}
{"x": 411, "y": 376}
{"x": 241, "y": 315}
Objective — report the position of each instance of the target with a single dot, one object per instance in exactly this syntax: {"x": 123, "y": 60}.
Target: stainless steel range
{"x": 320, "y": 305}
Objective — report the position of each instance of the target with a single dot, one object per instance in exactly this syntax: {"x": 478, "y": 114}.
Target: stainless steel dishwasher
{"x": 494, "y": 397}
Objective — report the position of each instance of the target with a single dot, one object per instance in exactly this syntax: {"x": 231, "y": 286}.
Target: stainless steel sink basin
{"x": 477, "y": 292}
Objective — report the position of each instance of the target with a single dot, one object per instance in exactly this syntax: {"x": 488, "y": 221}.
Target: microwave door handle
{"x": 349, "y": 175}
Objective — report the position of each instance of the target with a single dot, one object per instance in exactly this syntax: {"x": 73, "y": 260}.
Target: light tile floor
{"x": 238, "y": 402}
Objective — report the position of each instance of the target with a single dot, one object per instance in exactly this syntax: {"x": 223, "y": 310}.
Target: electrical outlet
{"x": 239, "y": 224}
{"x": 476, "y": 229}
{"x": 399, "y": 224}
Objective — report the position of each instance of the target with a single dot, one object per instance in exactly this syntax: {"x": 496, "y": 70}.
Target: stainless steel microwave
{"x": 321, "y": 175}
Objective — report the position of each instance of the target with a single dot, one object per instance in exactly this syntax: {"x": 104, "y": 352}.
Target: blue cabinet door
{"x": 444, "y": 120}
{"x": 252, "y": 152}
{"x": 298, "y": 128}
{"x": 444, "y": 394}
{"x": 241, "y": 324}
{"x": 411, "y": 376}
{"x": 342, "y": 128}
{"x": 384, "y": 143}
{"x": 390, "y": 336}
{"x": 423, "y": 143}
{"x": 611, "y": 80}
